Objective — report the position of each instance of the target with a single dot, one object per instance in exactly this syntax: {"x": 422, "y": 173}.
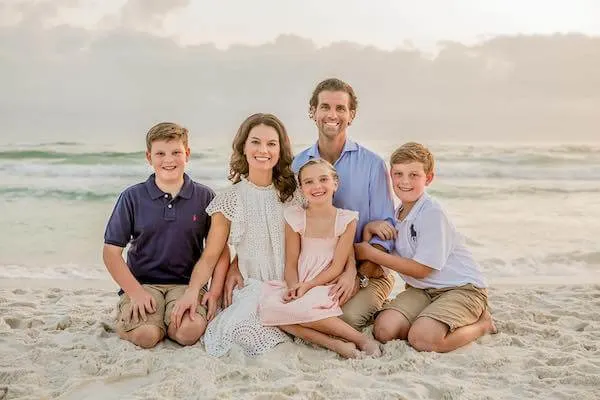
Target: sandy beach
{"x": 57, "y": 341}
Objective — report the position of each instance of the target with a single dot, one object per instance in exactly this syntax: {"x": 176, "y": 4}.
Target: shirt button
{"x": 166, "y": 196}
{"x": 170, "y": 206}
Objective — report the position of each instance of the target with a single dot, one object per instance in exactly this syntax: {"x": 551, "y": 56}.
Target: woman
{"x": 252, "y": 208}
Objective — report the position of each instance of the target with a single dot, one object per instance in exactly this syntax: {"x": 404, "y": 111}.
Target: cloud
{"x": 147, "y": 15}
{"x": 114, "y": 83}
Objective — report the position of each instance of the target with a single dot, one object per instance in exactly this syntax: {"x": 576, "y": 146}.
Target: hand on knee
{"x": 189, "y": 332}
{"x": 146, "y": 336}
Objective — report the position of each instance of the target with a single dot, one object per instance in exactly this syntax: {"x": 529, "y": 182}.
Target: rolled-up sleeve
{"x": 381, "y": 206}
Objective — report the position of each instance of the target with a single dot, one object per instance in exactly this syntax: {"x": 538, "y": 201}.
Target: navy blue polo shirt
{"x": 166, "y": 234}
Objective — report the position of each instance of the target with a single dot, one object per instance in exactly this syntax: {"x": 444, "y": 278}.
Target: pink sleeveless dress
{"x": 315, "y": 255}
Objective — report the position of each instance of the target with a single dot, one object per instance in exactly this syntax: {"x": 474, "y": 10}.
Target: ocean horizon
{"x": 527, "y": 210}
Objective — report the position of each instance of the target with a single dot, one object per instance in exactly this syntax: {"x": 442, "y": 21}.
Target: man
{"x": 363, "y": 187}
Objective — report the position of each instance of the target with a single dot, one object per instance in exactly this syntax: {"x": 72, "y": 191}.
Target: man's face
{"x": 332, "y": 114}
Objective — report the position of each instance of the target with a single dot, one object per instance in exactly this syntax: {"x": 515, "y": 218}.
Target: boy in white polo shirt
{"x": 444, "y": 305}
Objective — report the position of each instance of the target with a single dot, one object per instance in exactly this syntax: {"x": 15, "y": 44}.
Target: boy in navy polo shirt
{"x": 444, "y": 305}
{"x": 164, "y": 222}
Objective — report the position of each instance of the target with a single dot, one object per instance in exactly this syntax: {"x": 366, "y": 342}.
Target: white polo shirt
{"x": 428, "y": 237}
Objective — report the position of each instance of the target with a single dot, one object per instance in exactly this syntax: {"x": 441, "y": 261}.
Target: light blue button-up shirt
{"x": 363, "y": 185}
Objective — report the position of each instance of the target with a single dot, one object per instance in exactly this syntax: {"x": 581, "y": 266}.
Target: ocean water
{"x": 529, "y": 212}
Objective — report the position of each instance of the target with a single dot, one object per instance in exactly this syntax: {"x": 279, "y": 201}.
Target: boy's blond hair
{"x": 413, "y": 152}
{"x": 166, "y": 131}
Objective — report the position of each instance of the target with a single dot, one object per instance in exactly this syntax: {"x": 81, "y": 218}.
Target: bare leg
{"x": 345, "y": 349}
{"x": 146, "y": 336}
{"x": 391, "y": 325}
{"x": 336, "y": 327}
{"x": 427, "y": 334}
{"x": 189, "y": 331}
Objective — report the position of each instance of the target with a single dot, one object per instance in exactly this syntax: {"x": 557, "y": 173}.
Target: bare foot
{"x": 371, "y": 347}
{"x": 346, "y": 349}
{"x": 487, "y": 323}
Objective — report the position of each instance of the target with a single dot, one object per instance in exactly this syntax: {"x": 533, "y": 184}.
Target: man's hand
{"x": 344, "y": 286}
{"x": 142, "y": 302}
{"x": 383, "y": 229}
{"x": 212, "y": 301}
{"x": 234, "y": 279}
{"x": 187, "y": 302}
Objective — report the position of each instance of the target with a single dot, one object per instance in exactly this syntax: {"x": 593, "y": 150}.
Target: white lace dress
{"x": 257, "y": 234}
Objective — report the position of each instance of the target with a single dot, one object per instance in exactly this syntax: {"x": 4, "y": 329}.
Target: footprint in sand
{"x": 13, "y": 322}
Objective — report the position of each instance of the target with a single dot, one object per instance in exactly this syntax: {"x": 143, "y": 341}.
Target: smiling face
{"x": 409, "y": 181}
{"x": 168, "y": 158}
{"x": 332, "y": 114}
{"x": 318, "y": 183}
{"x": 262, "y": 148}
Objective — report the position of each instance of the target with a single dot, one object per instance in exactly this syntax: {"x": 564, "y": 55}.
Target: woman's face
{"x": 262, "y": 148}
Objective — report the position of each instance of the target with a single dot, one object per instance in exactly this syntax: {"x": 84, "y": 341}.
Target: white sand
{"x": 58, "y": 342}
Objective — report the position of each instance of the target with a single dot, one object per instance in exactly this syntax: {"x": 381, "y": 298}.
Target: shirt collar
{"x": 349, "y": 145}
{"x": 186, "y": 190}
{"x": 416, "y": 208}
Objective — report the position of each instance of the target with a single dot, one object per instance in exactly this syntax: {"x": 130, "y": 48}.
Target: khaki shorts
{"x": 165, "y": 297}
{"x": 455, "y": 306}
{"x": 360, "y": 309}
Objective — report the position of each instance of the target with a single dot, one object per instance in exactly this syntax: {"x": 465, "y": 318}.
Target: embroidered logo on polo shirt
{"x": 194, "y": 218}
{"x": 413, "y": 233}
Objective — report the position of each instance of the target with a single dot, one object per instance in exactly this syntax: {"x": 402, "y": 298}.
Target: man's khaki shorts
{"x": 165, "y": 297}
{"x": 455, "y": 306}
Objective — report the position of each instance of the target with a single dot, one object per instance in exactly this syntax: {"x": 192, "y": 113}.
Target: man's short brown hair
{"x": 166, "y": 131}
{"x": 411, "y": 152}
{"x": 333, "y": 85}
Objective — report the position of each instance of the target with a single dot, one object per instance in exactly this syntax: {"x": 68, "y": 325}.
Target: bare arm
{"x": 142, "y": 302}
{"x": 292, "y": 252}
{"x": 340, "y": 257}
{"x": 403, "y": 265}
{"x": 215, "y": 244}
{"x": 203, "y": 270}
{"x": 118, "y": 269}
{"x": 218, "y": 278}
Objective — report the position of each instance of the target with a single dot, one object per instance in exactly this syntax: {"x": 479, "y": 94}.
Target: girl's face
{"x": 262, "y": 148}
{"x": 409, "y": 181}
{"x": 318, "y": 184}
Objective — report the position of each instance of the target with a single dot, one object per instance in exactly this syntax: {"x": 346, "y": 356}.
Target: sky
{"x": 88, "y": 68}
{"x": 387, "y": 24}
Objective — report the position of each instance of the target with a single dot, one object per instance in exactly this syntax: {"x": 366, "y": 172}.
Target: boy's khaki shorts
{"x": 455, "y": 306}
{"x": 165, "y": 297}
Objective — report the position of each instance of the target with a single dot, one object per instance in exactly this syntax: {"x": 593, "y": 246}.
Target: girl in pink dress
{"x": 318, "y": 242}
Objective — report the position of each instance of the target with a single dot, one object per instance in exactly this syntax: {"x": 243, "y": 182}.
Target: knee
{"x": 420, "y": 341}
{"x": 146, "y": 336}
{"x": 189, "y": 332}
{"x": 384, "y": 333}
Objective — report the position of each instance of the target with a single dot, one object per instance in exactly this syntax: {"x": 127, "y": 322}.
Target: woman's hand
{"x": 234, "y": 279}
{"x": 187, "y": 302}
{"x": 212, "y": 302}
